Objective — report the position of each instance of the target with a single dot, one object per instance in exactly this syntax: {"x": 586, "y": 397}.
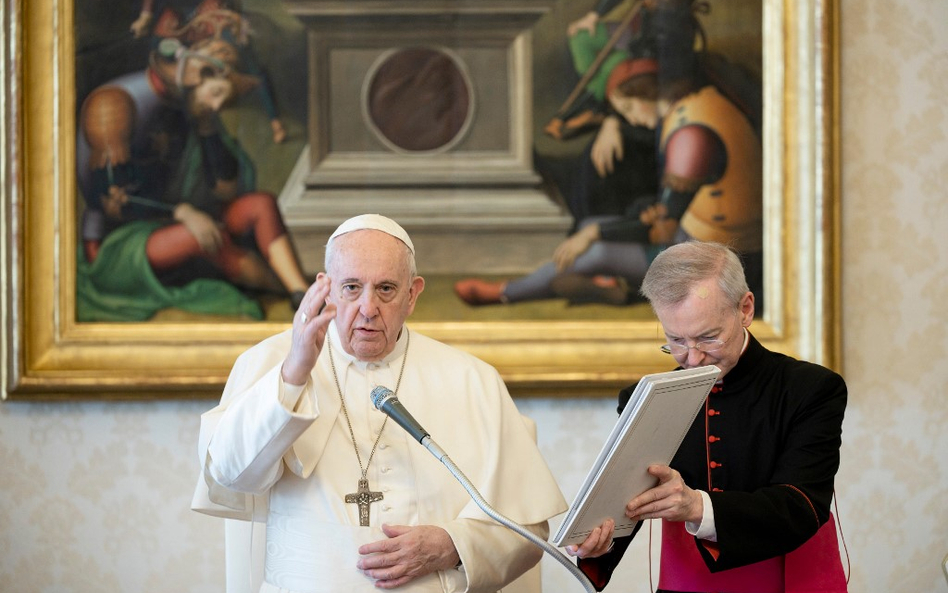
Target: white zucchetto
{"x": 375, "y": 222}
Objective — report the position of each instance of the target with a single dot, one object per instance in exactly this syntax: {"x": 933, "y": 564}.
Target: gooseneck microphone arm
{"x": 385, "y": 400}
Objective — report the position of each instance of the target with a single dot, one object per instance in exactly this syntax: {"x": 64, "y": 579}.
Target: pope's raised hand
{"x": 309, "y": 331}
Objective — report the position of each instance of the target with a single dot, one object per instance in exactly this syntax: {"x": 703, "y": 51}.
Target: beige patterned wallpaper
{"x": 94, "y": 496}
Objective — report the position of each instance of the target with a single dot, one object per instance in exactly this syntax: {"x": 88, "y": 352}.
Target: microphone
{"x": 384, "y": 400}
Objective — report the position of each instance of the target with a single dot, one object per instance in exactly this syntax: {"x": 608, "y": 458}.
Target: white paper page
{"x": 649, "y": 431}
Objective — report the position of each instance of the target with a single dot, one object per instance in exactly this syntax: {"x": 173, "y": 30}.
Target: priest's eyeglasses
{"x": 706, "y": 346}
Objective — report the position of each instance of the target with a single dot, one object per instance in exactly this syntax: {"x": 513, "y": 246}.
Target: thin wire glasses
{"x": 706, "y": 346}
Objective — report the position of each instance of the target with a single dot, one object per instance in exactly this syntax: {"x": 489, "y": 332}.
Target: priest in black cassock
{"x": 745, "y": 503}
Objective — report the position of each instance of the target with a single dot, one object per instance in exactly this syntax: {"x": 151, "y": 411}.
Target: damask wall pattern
{"x": 893, "y": 487}
{"x": 94, "y": 496}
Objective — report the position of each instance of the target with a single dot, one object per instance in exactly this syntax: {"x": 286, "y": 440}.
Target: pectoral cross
{"x": 364, "y": 497}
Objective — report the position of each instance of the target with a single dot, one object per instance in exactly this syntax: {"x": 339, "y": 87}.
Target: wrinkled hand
{"x": 672, "y": 499}
{"x": 574, "y": 246}
{"x": 607, "y": 147}
{"x": 408, "y": 553}
{"x": 310, "y": 324}
{"x": 596, "y": 544}
{"x": 587, "y": 22}
{"x": 201, "y": 226}
{"x": 113, "y": 203}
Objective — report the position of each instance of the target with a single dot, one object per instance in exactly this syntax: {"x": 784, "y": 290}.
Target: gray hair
{"x": 409, "y": 255}
{"x": 676, "y": 270}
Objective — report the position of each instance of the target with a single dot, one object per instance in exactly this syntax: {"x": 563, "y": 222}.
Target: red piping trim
{"x": 807, "y": 499}
{"x": 839, "y": 525}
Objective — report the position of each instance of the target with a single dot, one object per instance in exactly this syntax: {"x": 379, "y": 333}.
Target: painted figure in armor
{"x": 172, "y": 217}
{"x": 709, "y": 159}
{"x": 192, "y": 21}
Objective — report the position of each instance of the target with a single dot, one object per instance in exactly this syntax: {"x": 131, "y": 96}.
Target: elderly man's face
{"x": 373, "y": 291}
{"x": 706, "y": 316}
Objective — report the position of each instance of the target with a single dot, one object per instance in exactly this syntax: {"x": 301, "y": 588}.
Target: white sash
{"x": 307, "y": 556}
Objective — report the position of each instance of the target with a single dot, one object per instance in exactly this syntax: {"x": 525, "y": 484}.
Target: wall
{"x": 94, "y": 496}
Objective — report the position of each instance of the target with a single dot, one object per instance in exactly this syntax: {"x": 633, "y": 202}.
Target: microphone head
{"x": 379, "y": 395}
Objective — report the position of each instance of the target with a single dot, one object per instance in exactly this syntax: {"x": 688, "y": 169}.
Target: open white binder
{"x": 649, "y": 430}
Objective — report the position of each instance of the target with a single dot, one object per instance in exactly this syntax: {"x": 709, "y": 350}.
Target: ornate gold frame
{"x": 46, "y": 354}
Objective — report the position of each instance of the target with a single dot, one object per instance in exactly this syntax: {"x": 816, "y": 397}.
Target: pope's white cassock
{"x": 270, "y": 453}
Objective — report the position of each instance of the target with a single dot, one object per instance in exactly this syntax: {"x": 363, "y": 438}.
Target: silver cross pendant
{"x": 364, "y": 497}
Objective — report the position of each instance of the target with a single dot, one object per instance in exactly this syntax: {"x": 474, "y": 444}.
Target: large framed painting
{"x": 171, "y": 170}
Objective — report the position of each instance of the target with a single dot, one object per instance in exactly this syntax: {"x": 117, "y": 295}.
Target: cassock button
{"x": 383, "y": 446}
{"x": 385, "y": 470}
{"x": 716, "y": 490}
{"x": 713, "y": 439}
{"x": 713, "y": 412}
{"x": 715, "y": 465}
{"x": 386, "y": 507}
